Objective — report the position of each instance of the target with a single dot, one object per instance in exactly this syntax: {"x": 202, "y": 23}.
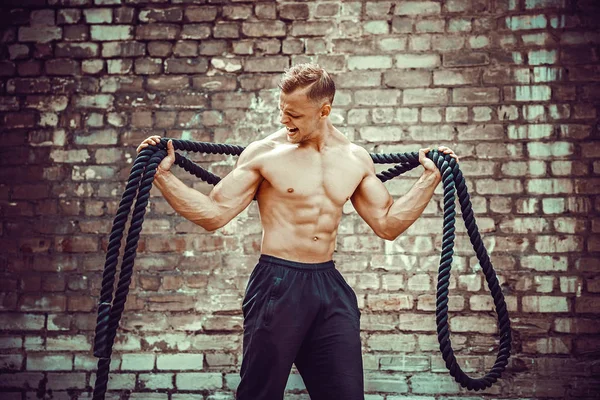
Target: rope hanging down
{"x": 138, "y": 188}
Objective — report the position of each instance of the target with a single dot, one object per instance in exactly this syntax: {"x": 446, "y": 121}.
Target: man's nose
{"x": 283, "y": 118}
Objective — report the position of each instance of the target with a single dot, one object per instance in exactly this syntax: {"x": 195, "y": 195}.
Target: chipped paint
{"x": 547, "y": 74}
{"x": 532, "y": 93}
{"x": 521, "y": 22}
{"x": 537, "y": 57}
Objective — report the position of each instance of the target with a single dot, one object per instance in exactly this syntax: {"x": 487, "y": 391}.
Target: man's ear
{"x": 325, "y": 110}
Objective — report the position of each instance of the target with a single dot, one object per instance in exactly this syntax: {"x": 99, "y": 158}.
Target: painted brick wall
{"x": 513, "y": 86}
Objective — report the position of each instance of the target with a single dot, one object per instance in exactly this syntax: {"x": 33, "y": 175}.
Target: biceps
{"x": 235, "y": 192}
{"x": 372, "y": 202}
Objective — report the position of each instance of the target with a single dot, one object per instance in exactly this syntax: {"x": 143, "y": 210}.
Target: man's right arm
{"x": 226, "y": 200}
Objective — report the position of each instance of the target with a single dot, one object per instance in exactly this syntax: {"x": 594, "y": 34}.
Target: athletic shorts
{"x": 304, "y": 314}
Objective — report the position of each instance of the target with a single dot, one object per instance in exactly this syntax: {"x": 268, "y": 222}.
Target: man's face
{"x": 299, "y": 114}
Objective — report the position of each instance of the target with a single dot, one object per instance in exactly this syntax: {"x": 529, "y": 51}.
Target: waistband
{"x": 272, "y": 260}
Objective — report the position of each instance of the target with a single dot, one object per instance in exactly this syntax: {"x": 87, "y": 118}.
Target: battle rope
{"x": 138, "y": 188}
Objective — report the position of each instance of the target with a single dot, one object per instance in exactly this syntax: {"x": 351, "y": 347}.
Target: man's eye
{"x": 293, "y": 116}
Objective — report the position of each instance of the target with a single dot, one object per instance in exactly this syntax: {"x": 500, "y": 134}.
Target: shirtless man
{"x": 298, "y": 309}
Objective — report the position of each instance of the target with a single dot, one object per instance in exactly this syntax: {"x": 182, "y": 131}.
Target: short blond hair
{"x": 308, "y": 74}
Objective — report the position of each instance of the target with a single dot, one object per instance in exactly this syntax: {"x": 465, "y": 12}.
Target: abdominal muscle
{"x": 293, "y": 232}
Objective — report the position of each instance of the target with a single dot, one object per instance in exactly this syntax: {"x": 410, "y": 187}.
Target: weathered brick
{"x": 180, "y": 361}
{"x": 226, "y": 30}
{"x": 165, "y": 49}
{"x": 235, "y": 12}
{"x": 266, "y": 64}
{"x": 587, "y": 305}
{"x": 521, "y": 22}
{"x": 551, "y": 345}
{"x": 156, "y": 381}
{"x": 123, "y": 15}
{"x": 171, "y": 14}
{"x": 119, "y": 67}
{"x": 61, "y": 67}
{"x": 461, "y": 59}
{"x": 313, "y": 28}
{"x": 69, "y": 156}
{"x": 185, "y": 101}
{"x": 427, "y": 302}
{"x": 292, "y": 11}
{"x": 47, "y": 103}
{"x": 50, "y": 302}
{"x": 527, "y": 93}
{"x": 417, "y": 8}
{"x": 424, "y": 96}
{"x": 157, "y": 32}
{"x": 18, "y": 51}
{"x": 199, "y": 381}
{"x": 369, "y": 62}
{"x": 166, "y": 83}
{"x": 186, "y": 65}
{"x": 98, "y": 16}
{"x": 417, "y": 61}
{"x": 200, "y": 13}
{"x": 386, "y": 383}
{"x": 10, "y": 362}
{"x": 265, "y": 10}
{"x": 376, "y": 97}
{"x": 378, "y": 9}
{"x": 389, "y": 302}
{"x": 113, "y": 32}
{"x": 76, "y": 33}
{"x": 376, "y": 27}
{"x": 40, "y": 34}
{"x": 148, "y": 66}
{"x": 137, "y": 362}
{"x": 406, "y": 79}
{"x": 19, "y": 322}
{"x": 77, "y": 50}
{"x": 123, "y": 49}
{"x": 215, "y": 83}
{"x": 435, "y": 25}
{"x": 185, "y": 48}
{"x": 259, "y": 29}
{"x": 357, "y": 79}
{"x": 231, "y": 100}
{"x": 40, "y": 362}
{"x": 213, "y": 47}
{"x": 92, "y": 67}
{"x": 545, "y": 304}
{"x": 433, "y": 384}
{"x": 68, "y": 16}
{"x": 475, "y": 95}
{"x": 28, "y": 380}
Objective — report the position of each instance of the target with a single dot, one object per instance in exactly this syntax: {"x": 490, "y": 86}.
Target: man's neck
{"x": 322, "y": 138}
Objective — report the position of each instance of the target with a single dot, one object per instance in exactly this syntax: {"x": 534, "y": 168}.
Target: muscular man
{"x": 298, "y": 309}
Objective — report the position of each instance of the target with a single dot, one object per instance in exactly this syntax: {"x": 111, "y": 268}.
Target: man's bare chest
{"x": 301, "y": 176}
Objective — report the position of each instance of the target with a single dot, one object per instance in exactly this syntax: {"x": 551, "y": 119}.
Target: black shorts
{"x": 303, "y": 314}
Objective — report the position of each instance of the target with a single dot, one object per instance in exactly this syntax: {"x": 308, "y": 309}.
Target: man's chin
{"x": 291, "y": 135}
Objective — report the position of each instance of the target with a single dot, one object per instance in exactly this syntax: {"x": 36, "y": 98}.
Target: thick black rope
{"x": 138, "y": 188}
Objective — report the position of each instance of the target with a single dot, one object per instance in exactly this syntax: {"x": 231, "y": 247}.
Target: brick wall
{"x": 511, "y": 85}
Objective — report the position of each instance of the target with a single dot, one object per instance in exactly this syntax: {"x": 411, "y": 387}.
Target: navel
{"x": 290, "y": 190}
{"x": 315, "y": 238}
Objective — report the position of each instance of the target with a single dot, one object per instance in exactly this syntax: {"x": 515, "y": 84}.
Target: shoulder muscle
{"x": 254, "y": 153}
{"x": 363, "y": 155}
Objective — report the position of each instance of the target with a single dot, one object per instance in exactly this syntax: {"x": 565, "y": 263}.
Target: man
{"x": 298, "y": 309}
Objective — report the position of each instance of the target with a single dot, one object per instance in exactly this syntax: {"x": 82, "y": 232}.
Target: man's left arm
{"x": 389, "y": 218}
{"x": 408, "y": 208}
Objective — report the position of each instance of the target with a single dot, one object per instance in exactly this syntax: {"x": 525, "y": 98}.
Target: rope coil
{"x": 138, "y": 188}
